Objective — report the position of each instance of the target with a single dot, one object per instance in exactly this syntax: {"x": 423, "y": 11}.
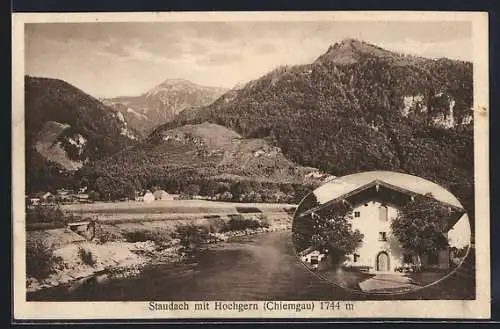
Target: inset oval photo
{"x": 381, "y": 232}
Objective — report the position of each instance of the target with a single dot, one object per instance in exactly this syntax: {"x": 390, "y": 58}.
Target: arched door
{"x": 382, "y": 261}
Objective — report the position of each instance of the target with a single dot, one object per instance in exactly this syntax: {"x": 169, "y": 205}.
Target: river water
{"x": 257, "y": 267}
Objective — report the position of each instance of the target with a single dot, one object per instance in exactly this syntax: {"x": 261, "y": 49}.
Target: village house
{"x": 33, "y": 201}
{"x": 312, "y": 257}
{"x": 162, "y": 195}
{"x": 42, "y": 197}
{"x": 81, "y": 198}
{"x": 375, "y": 198}
{"x": 148, "y": 197}
{"x": 63, "y": 192}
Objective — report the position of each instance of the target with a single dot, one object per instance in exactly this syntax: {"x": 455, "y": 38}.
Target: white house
{"x": 309, "y": 256}
{"x": 148, "y": 197}
{"x": 43, "y": 197}
{"x": 162, "y": 195}
{"x": 375, "y": 203}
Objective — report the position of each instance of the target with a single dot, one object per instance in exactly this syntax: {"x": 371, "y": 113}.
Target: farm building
{"x": 310, "y": 256}
{"x": 44, "y": 197}
{"x": 148, "y": 197}
{"x": 162, "y": 195}
{"x": 375, "y": 198}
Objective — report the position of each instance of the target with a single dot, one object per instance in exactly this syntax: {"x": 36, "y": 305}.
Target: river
{"x": 257, "y": 267}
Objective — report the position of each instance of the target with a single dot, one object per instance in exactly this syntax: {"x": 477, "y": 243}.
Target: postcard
{"x": 230, "y": 165}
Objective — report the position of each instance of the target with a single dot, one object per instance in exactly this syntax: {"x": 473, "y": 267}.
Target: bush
{"x": 240, "y": 223}
{"x": 86, "y": 256}
{"x": 103, "y": 235}
{"x": 40, "y": 260}
{"x": 46, "y": 214}
{"x": 264, "y": 221}
{"x": 191, "y": 238}
{"x": 225, "y": 196}
{"x": 159, "y": 237}
{"x": 215, "y": 224}
{"x": 94, "y": 196}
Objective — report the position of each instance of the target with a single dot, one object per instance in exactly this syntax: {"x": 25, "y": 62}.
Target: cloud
{"x": 460, "y": 49}
{"x": 118, "y": 58}
{"x": 220, "y": 58}
{"x": 133, "y": 51}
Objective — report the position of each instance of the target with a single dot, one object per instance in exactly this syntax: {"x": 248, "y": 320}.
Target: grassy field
{"x": 176, "y": 207}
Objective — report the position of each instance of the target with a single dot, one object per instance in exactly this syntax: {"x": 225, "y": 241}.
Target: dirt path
{"x": 387, "y": 282}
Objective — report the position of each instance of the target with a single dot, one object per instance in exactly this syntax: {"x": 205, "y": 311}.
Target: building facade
{"x": 374, "y": 207}
{"x": 162, "y": 195}
{"x": 148, "y": 197}
{"x": 380, "y": 250}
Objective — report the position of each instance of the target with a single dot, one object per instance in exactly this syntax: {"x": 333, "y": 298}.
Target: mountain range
{"x": 360, "y": 107}
{"x": 356, "y": 107}
{"x": 162, "y": 103}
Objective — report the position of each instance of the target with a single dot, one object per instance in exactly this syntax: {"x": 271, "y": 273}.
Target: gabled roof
{"x": 345, "y": 184}
{"x": 381, "y": 183}
{"x": 348, "y": 186}
{"x": 42, "y": 194}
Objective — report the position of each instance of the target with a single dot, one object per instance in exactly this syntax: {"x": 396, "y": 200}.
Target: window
{"x": 382, "y": 213}
{"x": 382, "y": 236}
{"x": 356, "y": 257}
{"x": 357, "y": 214}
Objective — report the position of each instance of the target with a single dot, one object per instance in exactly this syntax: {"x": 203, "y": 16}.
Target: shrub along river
{"x": 256, "y": 267}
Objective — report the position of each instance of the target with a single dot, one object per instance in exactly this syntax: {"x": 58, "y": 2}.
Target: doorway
{"x": 382, "y": 262}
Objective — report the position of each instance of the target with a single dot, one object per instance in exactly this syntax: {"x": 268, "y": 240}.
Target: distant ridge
{"x": 163, "y": 103}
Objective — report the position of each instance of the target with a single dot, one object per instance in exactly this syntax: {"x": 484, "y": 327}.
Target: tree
{"x": 103, "y": 187}
{"x": 191, "y": 238}
{"x": 93, "y": 195}
{"x": 226, "y": 196}
{"x": 301, "y": 192}
{"x": 420, "y": 224}
{"x": 208, "y": 188}
{"x": 222, "y": 187}
{"x": 329, "y": 231}
{"x": 332, "y": 232}
{"x": 239, "y": 189}
{"x": 192, "y": 189}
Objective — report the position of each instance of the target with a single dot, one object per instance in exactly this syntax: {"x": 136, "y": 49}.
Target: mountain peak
{"x": 180, "y": 85}
{"x": 177, "y": 81}
{"x": 350, "y": 51}
{"x": 351, "y": 42}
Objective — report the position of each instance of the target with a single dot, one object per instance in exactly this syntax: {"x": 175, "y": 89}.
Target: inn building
{"x": 375, "y": 198}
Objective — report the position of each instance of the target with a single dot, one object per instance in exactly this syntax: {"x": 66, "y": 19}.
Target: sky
{"x": 129, "y": 58}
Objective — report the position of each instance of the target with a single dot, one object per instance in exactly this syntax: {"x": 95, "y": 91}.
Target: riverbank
{"x": 122, "y": 250}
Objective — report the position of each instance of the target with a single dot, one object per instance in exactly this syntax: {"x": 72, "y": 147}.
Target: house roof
{"x": 305, "y": 251}
{"x": 347, "y": 185}
{"x": 42, "y": 194}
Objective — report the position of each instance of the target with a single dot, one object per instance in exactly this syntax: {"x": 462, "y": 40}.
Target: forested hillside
{"x": 207, "y": 159}
{"x": 65, "y": 129}
{"x": 359, "y": 107}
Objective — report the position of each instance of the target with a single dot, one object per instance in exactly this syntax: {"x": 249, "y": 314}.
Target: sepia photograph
{"x": 296, "y": 159}
{"x": 383, "y": 232}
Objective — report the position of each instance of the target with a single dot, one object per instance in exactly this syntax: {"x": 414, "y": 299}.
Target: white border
{"x": 479, "y": 308}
